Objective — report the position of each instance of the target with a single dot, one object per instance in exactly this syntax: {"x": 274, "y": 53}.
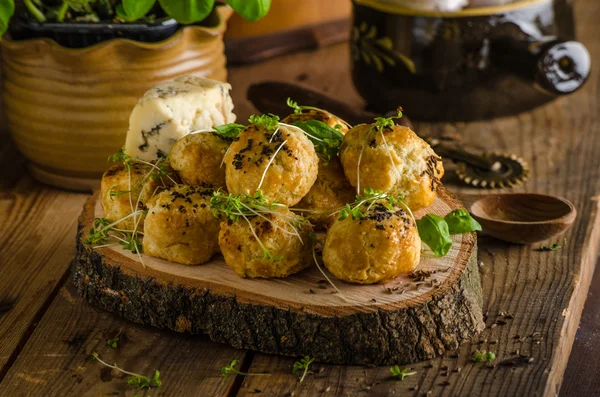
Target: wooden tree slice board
{"x": 404, "y": 321}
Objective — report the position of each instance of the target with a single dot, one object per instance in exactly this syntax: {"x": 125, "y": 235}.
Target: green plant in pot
{"x": 72, "y": 71}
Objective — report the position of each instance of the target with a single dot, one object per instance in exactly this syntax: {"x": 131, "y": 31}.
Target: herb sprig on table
{"x": 137, "y": 380}
{"x": 230, "y": 369}
{"x": 301, "y": 367}
{"x": 400, "y": 374}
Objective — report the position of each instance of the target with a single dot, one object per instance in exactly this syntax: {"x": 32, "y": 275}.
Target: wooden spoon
{"x": 523, "y": 218}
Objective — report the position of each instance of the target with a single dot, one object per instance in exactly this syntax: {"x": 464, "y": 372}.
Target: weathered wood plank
{"x": 37, "y": 245}
{"x": 57, "y": 359}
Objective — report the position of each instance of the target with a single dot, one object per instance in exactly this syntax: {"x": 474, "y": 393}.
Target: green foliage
{"x": 229, "y": 131}
{"x": 113, "y": 342}
{"x": 294, "y": 105}
{"x": 479, "y": 357}
{"x": 387, "y": 122}
{"x": 553, "y": 247}
{"x": 188, "y": 11}
{"x": 326, "y": 140}
{"x": 143, "y": 382}
{"x": 369, "y": 197}
{"x": 162, "y": 170}
{"x": 252, "y": 10}
{"x": 302, "y": 365}
{"x": 401, "y": 374}
{"x": 434, "y": 232}
{"x": 99, "y": 232}
{"x": 460, "y": 221}
{"x": 184, "y": 11}
{"x": 230, "y": 369}
{"x": 139, "y": 381}
{"x": 7, "y": 9}
{"x": 131, "y": 243}
{"x": 117, "y": 192}
{"x": 269, "y": 121}
{"x": 132, "y": 10}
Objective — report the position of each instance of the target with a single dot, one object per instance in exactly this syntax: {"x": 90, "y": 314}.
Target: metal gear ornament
{"x": 508, "y": 170}
{"x": 488, "y": 170}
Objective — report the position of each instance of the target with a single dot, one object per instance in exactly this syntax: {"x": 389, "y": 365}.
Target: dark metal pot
{"x": 472, "y": 64}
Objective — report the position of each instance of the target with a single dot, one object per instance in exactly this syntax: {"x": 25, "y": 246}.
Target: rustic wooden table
{"x": 533, "y": 300}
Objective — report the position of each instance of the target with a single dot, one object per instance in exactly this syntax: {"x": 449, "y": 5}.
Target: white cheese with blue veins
{"x": 172, "y": 110}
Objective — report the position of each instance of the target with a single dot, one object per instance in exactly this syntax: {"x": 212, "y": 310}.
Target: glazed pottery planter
{"x": 465, "y": 65}
{"x": 68, "y": 109}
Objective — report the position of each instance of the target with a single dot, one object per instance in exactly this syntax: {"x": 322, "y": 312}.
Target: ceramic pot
{"x": 68, "y": 109}
{"x": 470, "y": 64}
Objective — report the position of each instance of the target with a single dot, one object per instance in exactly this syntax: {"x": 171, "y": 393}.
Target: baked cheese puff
{"x": 180, "y": 226}
{"x": 281, "y": 161}
{"x": 392, "y": 159}
{"x": 382, "y": 245}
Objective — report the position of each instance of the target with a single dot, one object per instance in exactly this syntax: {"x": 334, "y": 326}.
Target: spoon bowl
{"x": 523, "y": 218}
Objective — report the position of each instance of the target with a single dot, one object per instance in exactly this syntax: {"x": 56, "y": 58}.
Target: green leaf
{"x": 7, "y": 9}
{"x": 326, "y": 140}
{"x": 460, "y": 221}
{"x": 252, "y": 10}
{"x": 433, "y": 230}
{"x": 401, "y": 374}
{"x": 229, "y": 131}
{"x": 188, "y": 11}
{"x": 132, "y": 10}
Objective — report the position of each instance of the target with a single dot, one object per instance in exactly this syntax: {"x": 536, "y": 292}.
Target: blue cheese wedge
{"x": 174, "y": 109}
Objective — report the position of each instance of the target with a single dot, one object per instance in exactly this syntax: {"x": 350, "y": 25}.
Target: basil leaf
{"x": 433, "y": 230}
{"x": 460, "y": 221}
{"x": 7, "y": 9}
{"x": 229, "y": 131}
{"x": 188, "y": 11}
{"x": 327, "y": 140}
{"x": 252, "y": 10}
{"x": 132, "y": 10}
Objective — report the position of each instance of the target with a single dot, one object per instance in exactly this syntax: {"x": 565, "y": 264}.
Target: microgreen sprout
{"x": 229, "y": 131}
{"x": 302, "y": 365}
{"x": 479, "y": 356}
{"x": 121, "y": 157}
{"x": 369, "y": 197}
{"x": 553, "y": 247}
{"x": 114, "y": 342}
{"x": 326, "y": 140}
{"x": 400, "y": 374}
{"x": 116, "y": 191}
{"x": 387, "y": 122}
{"x": 230, "y": 369}
{"x": 269, "y": 121}
{"x": 137, "y": 380}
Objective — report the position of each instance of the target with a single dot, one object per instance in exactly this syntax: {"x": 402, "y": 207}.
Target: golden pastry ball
{"x": 292, "y": 170}
{"x": 394, "y": 160}
{"x": 197, "y": 158}
{"x": 329, "y": 194}
{"x": 244, "y": 254}
{"x": 180, "y": 226}
{"x": 321, "y": 115}
{"x": 123, "y": 191}
{"x": 378, "y": 248}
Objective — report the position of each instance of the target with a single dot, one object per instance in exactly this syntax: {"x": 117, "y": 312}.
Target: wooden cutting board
{"x": 412, "y": 318}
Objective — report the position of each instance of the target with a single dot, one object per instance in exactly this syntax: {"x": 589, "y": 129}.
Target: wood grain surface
{"x": 540, "y": 293}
